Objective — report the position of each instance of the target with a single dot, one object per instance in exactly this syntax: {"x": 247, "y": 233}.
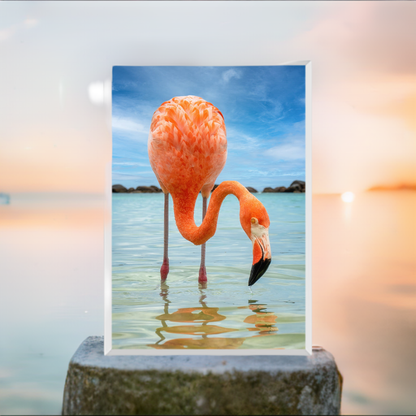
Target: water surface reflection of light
{"x": 364, "y": 297}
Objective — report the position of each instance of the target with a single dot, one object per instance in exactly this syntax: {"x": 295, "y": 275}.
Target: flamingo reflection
{"x": 263, "y": 321}
{"x": 201, "y": 333}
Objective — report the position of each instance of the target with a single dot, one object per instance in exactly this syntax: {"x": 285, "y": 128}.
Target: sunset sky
{"x": 263, "y": 109}
{"x": 55, "y": 130}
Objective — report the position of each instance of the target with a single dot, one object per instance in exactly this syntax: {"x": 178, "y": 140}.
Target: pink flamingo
{"x": 187, "y": 151}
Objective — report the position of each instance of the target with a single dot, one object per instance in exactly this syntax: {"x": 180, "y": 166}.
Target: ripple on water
{"x": 181, "y": 313}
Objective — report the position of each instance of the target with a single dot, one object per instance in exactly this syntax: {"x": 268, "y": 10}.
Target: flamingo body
{"x": 187, "y": 151}
{"x": 187, "y": 146}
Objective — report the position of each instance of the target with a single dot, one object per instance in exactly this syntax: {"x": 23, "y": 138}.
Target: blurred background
{"x": 55, "y": 146}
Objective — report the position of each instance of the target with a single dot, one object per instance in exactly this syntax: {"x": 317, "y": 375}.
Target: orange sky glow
{"x": 53, "y": 138}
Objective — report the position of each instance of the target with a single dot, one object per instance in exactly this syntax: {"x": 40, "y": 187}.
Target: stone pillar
{"x": 200, "y": 384}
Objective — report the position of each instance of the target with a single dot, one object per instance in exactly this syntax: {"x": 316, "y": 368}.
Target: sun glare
{"x": 348, "y": 197}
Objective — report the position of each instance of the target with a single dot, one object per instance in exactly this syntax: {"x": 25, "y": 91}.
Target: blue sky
{"x": 263, "y": 109}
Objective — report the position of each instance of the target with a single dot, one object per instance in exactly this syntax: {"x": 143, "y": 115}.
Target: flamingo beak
{"x": 262, "y": 257}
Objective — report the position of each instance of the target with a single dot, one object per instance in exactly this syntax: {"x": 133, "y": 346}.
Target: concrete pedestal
{"x": 192, "y": 384}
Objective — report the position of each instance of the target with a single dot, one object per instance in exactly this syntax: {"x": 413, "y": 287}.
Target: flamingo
{"x": 187, "y": 150}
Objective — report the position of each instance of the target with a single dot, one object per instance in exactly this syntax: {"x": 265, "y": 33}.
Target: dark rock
{"x": 214, "y": 188}
{"x": 277, "y": 189}
{"x": 301, "y": 183}
{"x": 280, "y": 189}
{"x": 296, "y": 186}
{"x": 145, "y": 189}
{"x": 293, "y": 188}
{"x": 200, "y": 384}
{"x": 118, "y": 189}
{"x": 130, "y": 190}
{"x": 155, "y": 188}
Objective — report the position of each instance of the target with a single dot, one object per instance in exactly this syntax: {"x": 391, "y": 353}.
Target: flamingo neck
{"x": 184, "y": 206}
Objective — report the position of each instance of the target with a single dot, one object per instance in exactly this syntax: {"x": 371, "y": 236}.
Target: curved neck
{"x": 184, "y": 211}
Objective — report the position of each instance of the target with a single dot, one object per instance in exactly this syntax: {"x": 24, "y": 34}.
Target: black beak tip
{"x": 258, "y": 270}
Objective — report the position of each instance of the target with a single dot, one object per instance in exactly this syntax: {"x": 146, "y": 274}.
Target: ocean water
{"x": 363, "y": 286}
{"x": 224, "y": 314}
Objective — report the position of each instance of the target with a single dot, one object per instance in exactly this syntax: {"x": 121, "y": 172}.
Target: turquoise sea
{"x": 226, "y": 313}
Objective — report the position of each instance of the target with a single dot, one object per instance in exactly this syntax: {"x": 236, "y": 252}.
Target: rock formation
{"x": 295, "y": 187}
{"x": 147, "y": 189}
{"x": 118, "y": 189}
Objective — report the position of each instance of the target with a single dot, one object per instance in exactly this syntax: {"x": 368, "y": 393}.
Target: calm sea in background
{"x": 363, "y": 278}
{"x": 225, "y": 313}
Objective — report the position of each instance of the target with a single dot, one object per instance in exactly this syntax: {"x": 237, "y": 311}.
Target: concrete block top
{"x": 91, "y": 354}
{"x": 200, "y": 384}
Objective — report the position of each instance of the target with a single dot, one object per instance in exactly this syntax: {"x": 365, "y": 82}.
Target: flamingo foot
{"x": 164, "y": 270}
{"x": 202, "y": 275}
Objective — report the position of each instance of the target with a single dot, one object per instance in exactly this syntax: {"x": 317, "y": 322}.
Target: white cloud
{"x": 264, "y": 173}
{"x": 289, "y": 150}
{"x": 121, "y": 176}
{"x": 127, "y": 124}
{"x": 300, "y": 173}
{"x": 131, "y": 164}
{"x": 230, "y": 73}
{"x": 240, "y": 141}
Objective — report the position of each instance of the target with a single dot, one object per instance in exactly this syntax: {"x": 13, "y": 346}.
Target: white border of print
{"x": 308, "y": 257}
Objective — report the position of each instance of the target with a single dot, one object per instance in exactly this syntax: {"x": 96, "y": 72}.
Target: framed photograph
{"x": 209, "y": 249}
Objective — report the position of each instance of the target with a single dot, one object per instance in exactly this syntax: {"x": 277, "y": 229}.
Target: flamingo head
{"x": 255, "y": 222}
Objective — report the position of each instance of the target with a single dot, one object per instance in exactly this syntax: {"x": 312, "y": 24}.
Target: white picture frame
{"x": 108, "y": 348}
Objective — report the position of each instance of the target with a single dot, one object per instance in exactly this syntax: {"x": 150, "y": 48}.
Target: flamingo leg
{"x": 164, "y": 270}
{"x": 202, "y": 270}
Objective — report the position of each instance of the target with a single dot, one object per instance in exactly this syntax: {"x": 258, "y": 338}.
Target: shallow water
{"x": 363, "y": 278}
{"x": 224, "y": 314}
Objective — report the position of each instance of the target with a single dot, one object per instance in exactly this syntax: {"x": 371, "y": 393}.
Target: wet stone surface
{"x": 200, "y": 384}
